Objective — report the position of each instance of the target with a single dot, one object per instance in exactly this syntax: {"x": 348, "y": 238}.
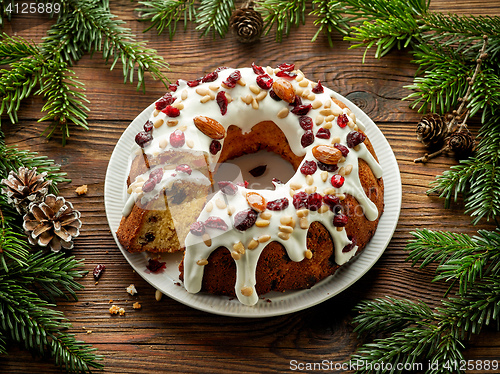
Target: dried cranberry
{"x": 342, "y": 120}
{"x": 286, "y": 67}
{"x": 245, "y": 219}
{"x": 184, "y": 168}
{"x": 306, "y": 122}
{"x": 264, "y": 81}
{"x": 300, "y": 200}
{"x": 229, "y": 188}
{"x": 155, "y": 266}
{"x": 210, "y": 77}
{"x": 323, "y": 133}
{"x": 297, "y": 101}
{"x": 197, "y": 228}
{"x": 326, "y": 167}
{"x": 216, "y": 223}
{"x": 171, "y": 111}
{"x": 276, "y": 181}
{"x": 215, "y": 147}
{"x": 318, "y": 88}
{"x": 149, "y": 185}
{"x": 342, "y": 148}
{"x": 173, "y": 87}
{"x": 349, "y": 246}
{"x": 278, "y": 204}
{"x": 244, "y": 184}
{"x": 222, "y": 102}
{"x": 148, "y": 126}
{"x": 220, "y": 68}
{"x": 161, "y": 104}
{"x": 143, "y": 138}
{"x": 156, "y": 175}
{"x": 257, "y": 69}
{"x": 354, "y": 138}
{"x": 308, "y": 167}
{"x": 234, "y": 77}
{"x": 301, "y": 110}
{"x": 98, "y": 270}
{"x": 314, "y": 201}
{"x": 340, "y": 220}
{"x": 307, "y": 139}
{"x": 337, "y": 181}
{"x": 286, "y": 74}
{"x": 273, "y": 95}
{"x": 194, "y": 83}
{"x": 177, "y": 138}
{"x": 331, "y": 200}
{"x": 258, "y": 170}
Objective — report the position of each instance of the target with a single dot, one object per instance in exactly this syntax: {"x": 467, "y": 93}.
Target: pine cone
{"x": 52, "y": 222}
{"x": 431, "y": 129}
{"x": 247, "y": 24}
{"x": 25, "y": 187}
{"x": 462, "y": 143}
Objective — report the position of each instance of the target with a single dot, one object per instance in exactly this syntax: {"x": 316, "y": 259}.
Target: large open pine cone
{"x": 25, "y": 187}
{"x": 52, "y": 223}
{"x": 247, "y": 24}
{"x": 431, "y": 129}
{"x": 462, "y": 143}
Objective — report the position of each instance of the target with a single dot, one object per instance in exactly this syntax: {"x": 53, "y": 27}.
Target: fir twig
{"x": 214, "y": 14}
{"x": 284, "y": 14}
{"x": 164, "y": 14}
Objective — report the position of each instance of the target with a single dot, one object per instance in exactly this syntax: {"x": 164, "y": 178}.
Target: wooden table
{"x": 168, "y": 336}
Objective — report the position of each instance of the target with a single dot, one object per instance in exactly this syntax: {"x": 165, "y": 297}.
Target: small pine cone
{"x": 25, "y": 187}
{"x": 247, "y": 24}
{"x": 462, "y": 143}
{"x": 431, "y": 129}
{"x": 52, "y": 223}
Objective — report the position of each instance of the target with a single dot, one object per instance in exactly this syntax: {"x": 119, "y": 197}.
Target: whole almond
{"x": 327, "y": 154}
{"x": 284, "y": 90}
{"x": 256, "y": 201}
{"x": 210, "y": 127}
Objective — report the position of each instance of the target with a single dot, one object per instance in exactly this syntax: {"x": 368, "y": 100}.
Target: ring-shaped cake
{"x": 240, "y": 241}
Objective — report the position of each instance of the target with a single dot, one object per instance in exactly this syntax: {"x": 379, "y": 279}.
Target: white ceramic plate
{"x": 271, "y": 304}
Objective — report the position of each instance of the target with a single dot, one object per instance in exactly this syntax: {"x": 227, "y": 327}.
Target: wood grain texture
{"x": 168, "y": 337}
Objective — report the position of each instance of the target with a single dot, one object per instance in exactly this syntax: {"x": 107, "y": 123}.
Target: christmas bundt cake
{"x": 239, "y": 241}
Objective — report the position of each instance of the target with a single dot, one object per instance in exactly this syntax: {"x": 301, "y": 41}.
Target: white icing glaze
{"x": 245, "y": 117}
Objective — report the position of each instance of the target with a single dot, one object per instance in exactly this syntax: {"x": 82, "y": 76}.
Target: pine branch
{"x": 214, "y": 14}
{"x": 284, "y": 14}
{"x": 32, "y": 322}
{"x": 49, "y": 275}
{"x": 13, "y": 49}
{"x": 461, "y": 258}
{"x": 164, "y": 14}
{"x": 444, "y": 81}
{"x": 18, "y": 83}
{"x": 328, "y": 20}
{"x": 13, "y": 247}
{"x": 389, "y": 314}
{"x": 13, "y": 158}
{"x": 64, "y": 99}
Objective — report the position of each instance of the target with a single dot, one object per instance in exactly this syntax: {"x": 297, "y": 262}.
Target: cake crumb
{"x": 131, "y": 290}
{"x": 116, "y": 310}
{"x": 110, "y": 301}
{"x": 82, "y": 190}
{"x": 136, "y": 305}
{"x": 89, "y": 331}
